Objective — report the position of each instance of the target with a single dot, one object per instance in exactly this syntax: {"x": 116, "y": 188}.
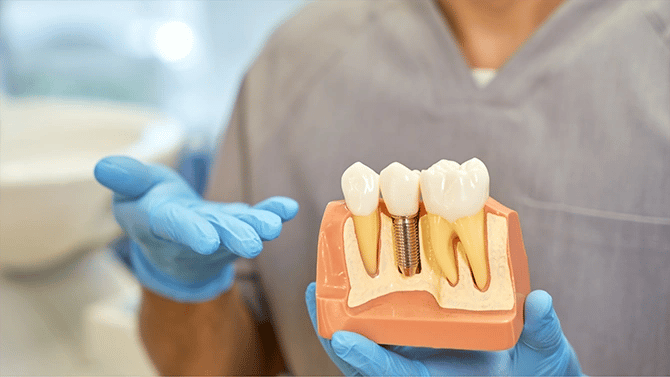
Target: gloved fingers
{"x": 542, "y": 329}
{"x": 124, "y": 175}
{"x": 310, "y": 300}
{"x": 237, "y": 236}
{"x": 371, "y": 359}
{"x": 267, "y": 224}
{"x": 284, "y": 207}
{"x": 416, "y": 352}
{"x": 469, "y": 363}
{"x": 179, "y": 224}
{"x": 543, "y": 337}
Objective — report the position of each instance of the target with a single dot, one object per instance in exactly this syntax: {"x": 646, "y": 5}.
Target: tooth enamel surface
{"x": 464, "y": 188}
{"x": 400, "y": 189}
{"x": 457, "y": 193}
{"x": 360, "y": 186}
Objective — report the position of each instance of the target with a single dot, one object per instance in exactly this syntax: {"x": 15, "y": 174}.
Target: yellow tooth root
{"x": 440, "y": 241}
{"x": 470, "y": 231}
{"x": 367, "y": 233}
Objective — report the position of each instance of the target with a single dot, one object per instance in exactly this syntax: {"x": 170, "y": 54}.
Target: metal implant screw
{"x": 406, "y": 243}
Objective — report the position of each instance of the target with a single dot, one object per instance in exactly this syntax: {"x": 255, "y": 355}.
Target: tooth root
{"x": 470, "y": 230}
{"x": 441, "y": 235}
{"x": 367, "y": 233}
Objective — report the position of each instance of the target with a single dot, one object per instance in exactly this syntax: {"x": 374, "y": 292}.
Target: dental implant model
{"x": 360, "y": 186}
{"x": 400, "y": 190}
{"x": 446, "y": 272}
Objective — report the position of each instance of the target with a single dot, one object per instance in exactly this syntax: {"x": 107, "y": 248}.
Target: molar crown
{"x": 454, "y": 191}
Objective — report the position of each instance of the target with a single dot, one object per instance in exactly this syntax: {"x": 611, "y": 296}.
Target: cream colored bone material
{"x": 464, "y": 295}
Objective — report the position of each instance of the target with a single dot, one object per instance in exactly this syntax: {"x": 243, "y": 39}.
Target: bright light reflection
{"x": 173, "y": 41}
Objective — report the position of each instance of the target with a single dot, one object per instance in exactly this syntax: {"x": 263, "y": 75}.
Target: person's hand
{"x": 542, "y": 350}
{"x": 183, "y": 246}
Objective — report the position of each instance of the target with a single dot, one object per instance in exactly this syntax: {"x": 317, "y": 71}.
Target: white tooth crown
{"x": 454, "y": 191}
{"x": 360, "y": 186}
{"x": 434, "y": 185}
{"x": 400, "y": 189}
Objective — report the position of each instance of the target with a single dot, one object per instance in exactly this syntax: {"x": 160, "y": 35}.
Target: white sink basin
{"x": 50, "y": 204}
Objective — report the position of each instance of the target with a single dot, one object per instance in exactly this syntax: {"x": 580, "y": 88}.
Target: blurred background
{"x": 80, "y": 80}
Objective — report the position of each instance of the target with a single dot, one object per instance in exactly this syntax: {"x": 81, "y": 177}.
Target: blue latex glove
{"x": 183, "y": 246}
{"x": 542, "y": 350}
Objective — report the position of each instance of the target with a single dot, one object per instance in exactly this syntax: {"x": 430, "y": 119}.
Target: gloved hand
{"x": 541, "y": 350}
{"x": 183, "y": 246}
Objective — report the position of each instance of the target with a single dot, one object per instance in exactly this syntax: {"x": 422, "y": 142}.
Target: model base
{"x": 414, "y": 315}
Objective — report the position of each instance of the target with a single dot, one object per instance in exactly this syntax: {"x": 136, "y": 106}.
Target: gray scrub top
{"x": 574, "y": 129}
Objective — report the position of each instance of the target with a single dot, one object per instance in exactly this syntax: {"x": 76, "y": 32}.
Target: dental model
{"x": 448, "y": 272}
{"x": 454, "y": 196}
{"x": 360, "y": 186}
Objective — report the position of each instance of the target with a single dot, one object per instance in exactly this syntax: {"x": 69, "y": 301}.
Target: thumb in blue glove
{"x": 183, "y": 246}
{"x": 542, "y": 350}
